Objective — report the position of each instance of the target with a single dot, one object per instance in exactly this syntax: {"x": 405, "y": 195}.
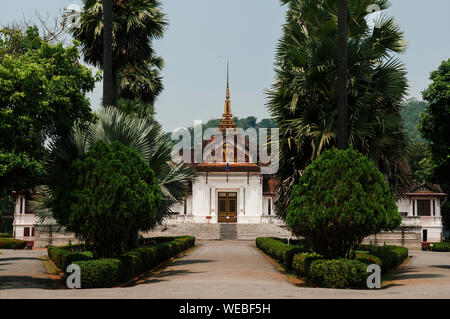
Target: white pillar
{"x": 410, "y": 211}
{"x": 213, "y": 201}
{"x": 241, "y": 200}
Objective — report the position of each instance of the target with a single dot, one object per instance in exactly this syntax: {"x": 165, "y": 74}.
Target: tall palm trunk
{"x": 108, "y": 76}
{"x": 342, "y": 125}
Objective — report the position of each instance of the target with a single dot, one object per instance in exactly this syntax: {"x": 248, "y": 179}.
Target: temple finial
{"x": 228, "y": 83}
{"x": 227, "y": 117}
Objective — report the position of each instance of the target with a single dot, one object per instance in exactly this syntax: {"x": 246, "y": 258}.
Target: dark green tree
{"x": 410, "y": 112}
{"x": 42, "y": 95}
{"x": 340, "y": 199}
{"x": 435, "y": 127}
{"x": 112, "y": 194}
{"x": 303, "y": 100}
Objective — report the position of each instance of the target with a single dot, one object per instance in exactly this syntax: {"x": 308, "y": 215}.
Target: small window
{"x": 404, "y": 214}
{"x": 423, "y": 207}
{"x": 269, "y": 207}
{"x": 32, "y": 231}
{"x": 26, "y": 232}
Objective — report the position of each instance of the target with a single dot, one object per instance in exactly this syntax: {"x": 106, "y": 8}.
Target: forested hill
{"x": 411, "y": 115}
{"x": 244, "y": 123}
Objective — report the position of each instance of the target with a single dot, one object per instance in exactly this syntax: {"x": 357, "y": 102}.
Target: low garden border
{"x": 110, "y": 272}
{"x": 332, "y": 273}
{"x": 11, "y": 243}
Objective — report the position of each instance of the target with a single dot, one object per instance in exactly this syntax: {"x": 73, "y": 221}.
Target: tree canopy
{"x": 42, "y": 95}
{"x": 435, "y": 127}
{"x": 136, "y": 23}
{"x": 303, "y": 100}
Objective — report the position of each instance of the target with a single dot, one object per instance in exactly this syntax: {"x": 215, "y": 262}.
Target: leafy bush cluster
{"x": 338, "y": 273}
{"x": 390, "y": 256}
{"x": 109, "y": 272}
{"x": 278, "y": 250}
{"x": 333, "y": 273}
{"x": 444, "y": 246}
{"x": 100, "y": 273}
{"x": 301, "y": 263}
{"x": 368, "y": 259}
{"x": 10, "y": 243}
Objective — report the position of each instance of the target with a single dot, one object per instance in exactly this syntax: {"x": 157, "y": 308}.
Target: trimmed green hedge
{"x": 390, "y": 256}
{"x": 278, "y": 250}
{"x": 10, "y": 243}
{"x": 444, "y": 246}
{"x": 368, "y": 259}
{"x": 99, "y": 273}
{"x": 301, "y": 263}
{"x": 144, "y": 258}
{"x": 104, "y": 273}
{"x": 5, "y": 235}
{"x": 63, "y": 256}
{"x": 334, "y": 273}
{"x": 338, "y": 273}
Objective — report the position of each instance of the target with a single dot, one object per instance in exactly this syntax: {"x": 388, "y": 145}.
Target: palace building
{"x": 229, "y": 190}
{"x": 233, "y": 199}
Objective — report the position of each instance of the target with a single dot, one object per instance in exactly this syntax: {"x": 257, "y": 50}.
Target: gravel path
{"x": 226, "y": 269}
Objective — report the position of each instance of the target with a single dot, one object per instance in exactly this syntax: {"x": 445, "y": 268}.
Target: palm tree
{"x": 108, "y": 82}
{"x": 342, "y": 134}
{"x": 135, "y": 24}
{"x": 143, "y": 134}
{"x": 142, "y": 82}
{"x": 304, "y": 97}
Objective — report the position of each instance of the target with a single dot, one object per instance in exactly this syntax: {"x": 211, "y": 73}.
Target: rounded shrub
{"x": 99, "y": 273}
{"x": 338, "y": 273}
{"x": 340, "y": 199}
{"x": 301, "y": 262}
{"x": 368, "y": 259}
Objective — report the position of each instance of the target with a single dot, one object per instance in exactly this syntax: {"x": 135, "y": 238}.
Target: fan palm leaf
{"x": 143, "y": 134}
{"x": 303, "y": 99}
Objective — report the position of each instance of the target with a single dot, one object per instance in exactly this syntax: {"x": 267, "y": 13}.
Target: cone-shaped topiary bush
{"x": 341, "y": 198}
{"x": 113, "y": 194}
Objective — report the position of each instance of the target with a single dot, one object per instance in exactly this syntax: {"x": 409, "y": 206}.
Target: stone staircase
{"x": 228, "y": 232}
{"x": 221, "y": 231}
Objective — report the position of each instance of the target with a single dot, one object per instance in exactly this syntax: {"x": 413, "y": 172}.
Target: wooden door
{"x": 227, "y": 207}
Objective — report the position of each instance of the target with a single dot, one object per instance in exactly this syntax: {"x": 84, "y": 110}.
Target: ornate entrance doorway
{"x": 227, "y": 207}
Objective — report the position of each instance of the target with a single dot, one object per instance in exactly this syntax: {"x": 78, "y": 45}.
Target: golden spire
{"x": 227, "y": 117}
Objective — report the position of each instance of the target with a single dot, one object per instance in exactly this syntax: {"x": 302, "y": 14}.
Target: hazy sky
{"x": 203, "y": 34}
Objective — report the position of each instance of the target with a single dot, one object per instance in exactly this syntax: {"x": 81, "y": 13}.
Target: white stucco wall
{"x": 205, "y": 192}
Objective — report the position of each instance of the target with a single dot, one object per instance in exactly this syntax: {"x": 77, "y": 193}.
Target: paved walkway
{"x": 238, "y": 270}
{"x": 22, "y": 269}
